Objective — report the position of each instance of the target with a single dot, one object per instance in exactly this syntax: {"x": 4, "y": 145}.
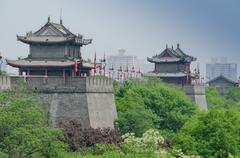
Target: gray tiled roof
{"x": 48, "y": 39}
{"x": 157, "y": 60}
{"x": 42, "y": 63}
{"x": 53, "y": 33}
{"x": 45, "y": 63}
{"x": 176, "y": 55}
{"x": 224, "y": 78}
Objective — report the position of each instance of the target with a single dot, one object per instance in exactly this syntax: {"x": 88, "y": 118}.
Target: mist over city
{"x": 204, "y": 29}
{"x": 119, "y": 79}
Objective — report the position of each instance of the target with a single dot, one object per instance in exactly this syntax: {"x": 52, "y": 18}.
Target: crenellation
{"x": 88, "y": 99}
{"x": 57, "y": 84}
{"x": 5, "y": 82}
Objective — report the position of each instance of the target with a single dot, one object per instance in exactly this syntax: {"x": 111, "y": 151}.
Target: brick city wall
{"x": 88, "y": 99}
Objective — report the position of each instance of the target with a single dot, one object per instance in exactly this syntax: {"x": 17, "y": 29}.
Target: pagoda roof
{"x": 171, "y": 55}
{"x": 224, "y": 78}
{"x": 53, "y": 33}
{"x": 46, "y": 63}
{"x": 162, "y": 60}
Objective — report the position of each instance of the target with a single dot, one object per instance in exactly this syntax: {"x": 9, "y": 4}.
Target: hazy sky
{"x": 204, "y": 28}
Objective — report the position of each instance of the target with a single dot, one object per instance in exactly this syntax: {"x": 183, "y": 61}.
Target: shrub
{"x": 228, "y": 100}
{"x": 78, "y": 137}
{"x": 23, "y": 128}
{"x": 146, "y": 104}
{"x": 211, "y": 134}
{"x": 151, "y": 144}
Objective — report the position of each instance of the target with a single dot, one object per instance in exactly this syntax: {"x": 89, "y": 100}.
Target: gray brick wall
{"x": 197, "y": 94}
{"x": 89, "y": 99}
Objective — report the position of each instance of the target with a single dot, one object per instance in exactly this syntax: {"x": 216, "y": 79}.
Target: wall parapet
{"x": 70, "y": 85}
{"x": 59, "y": 85}
{"x": 5, "y": 82}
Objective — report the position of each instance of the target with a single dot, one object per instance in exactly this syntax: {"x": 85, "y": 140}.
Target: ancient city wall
{"x": 197, "y": 93}
{"x": 88, "y": 99}
{"x": 5, "y": 82}
{"x": 78, "y": 85}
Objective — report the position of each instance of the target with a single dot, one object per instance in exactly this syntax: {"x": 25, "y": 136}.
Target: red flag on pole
{"x": 95, "y": 58}
{"x": 104, "y": 64}
{"x": 76, "y": 66}
{"x": 100, "y": 69}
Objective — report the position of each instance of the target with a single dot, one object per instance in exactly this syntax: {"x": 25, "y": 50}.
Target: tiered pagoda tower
{"x": 53, "y": 51}
{"x": 172, "y": 66}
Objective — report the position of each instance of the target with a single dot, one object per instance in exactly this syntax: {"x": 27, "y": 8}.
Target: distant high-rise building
{"x": 222, "y": 67}
{"x": 122, "y": 60}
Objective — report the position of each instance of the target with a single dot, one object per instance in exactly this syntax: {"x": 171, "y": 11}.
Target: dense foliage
{"x": 230, "y": 99}
{"x": 23, "y": 129}
{"x": 142, "y": 105}
{"x": 154, "y": 120}
{"x": 150, "y": 145}
{"x": 211, "y": 134}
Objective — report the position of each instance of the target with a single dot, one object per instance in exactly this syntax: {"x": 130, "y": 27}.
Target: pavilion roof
{"x": 171, "y": 55}
{"x": 53, "y": 33}
{"x": 46, "y": 63}
{"x": 224, "y": 78}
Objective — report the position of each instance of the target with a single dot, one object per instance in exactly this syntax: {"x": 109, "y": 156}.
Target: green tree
{"x": 211, "y": 134}
{"x": 230, "y": 99}
{"x": 151, "y": 104}
{"x": 23, "y": 127}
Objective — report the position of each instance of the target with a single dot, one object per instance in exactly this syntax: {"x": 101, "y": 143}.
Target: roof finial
{"x": 172, "y": 46}
{"x": 61, "y": 16}
{"x": 48, "y": 18}
{"x": 166, "y": 46}
{"x": 178, "y": 45}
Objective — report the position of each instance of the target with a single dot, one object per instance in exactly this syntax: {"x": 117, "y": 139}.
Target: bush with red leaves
{"x": 167, "y": 143}
{"x": 78, "y": 137}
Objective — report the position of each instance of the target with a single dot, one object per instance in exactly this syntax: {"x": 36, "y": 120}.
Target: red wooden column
{"x": 64, "y": 75}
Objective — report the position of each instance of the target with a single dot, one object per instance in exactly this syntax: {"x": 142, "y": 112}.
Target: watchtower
{"x": 53, "y": 51}
{"x": 54, "y": 68}
{"x": 172, "y": 66}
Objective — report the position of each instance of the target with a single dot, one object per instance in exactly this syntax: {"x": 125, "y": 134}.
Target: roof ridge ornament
{"x": 61, "y": 16}
{"x": 48, "y": 19}
{"x": 178, "y": 45}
